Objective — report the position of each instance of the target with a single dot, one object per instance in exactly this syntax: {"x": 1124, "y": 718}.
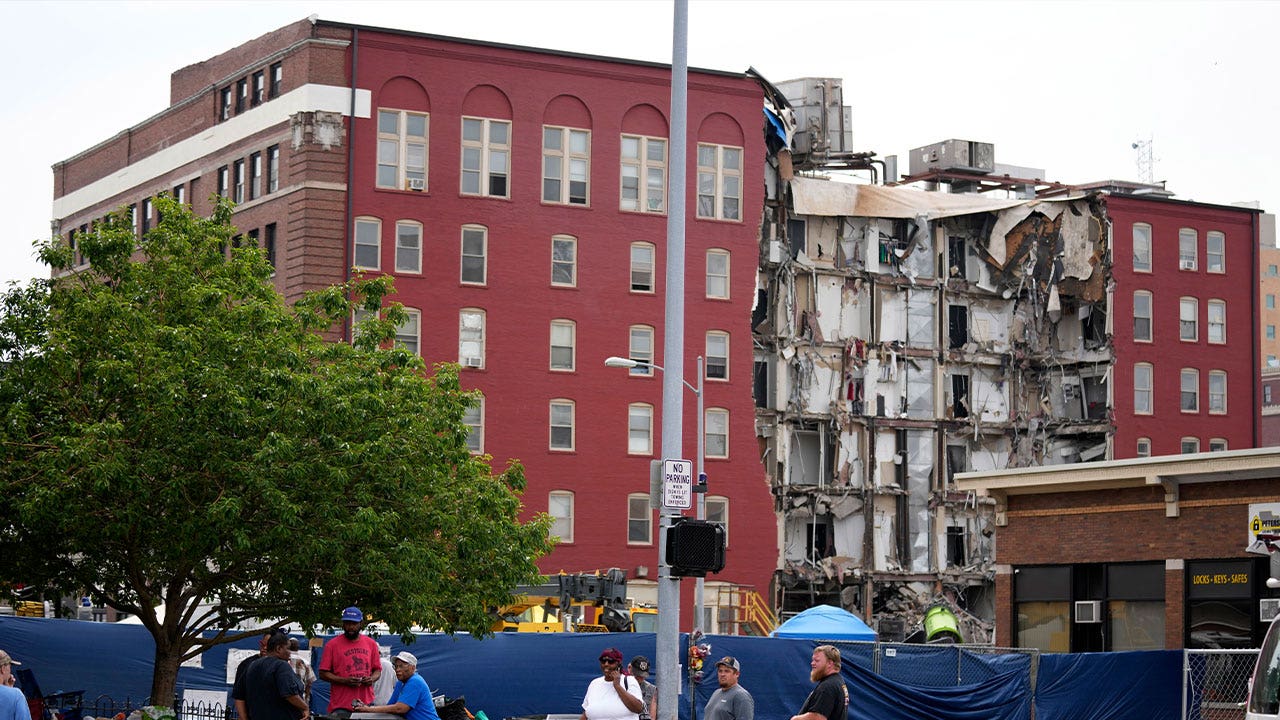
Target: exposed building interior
{"x": 902, "y": 336}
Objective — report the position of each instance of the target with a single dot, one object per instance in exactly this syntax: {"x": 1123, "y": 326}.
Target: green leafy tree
{"x": 173, "y": 433}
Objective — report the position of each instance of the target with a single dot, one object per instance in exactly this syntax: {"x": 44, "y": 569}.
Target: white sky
{"x": 1067, "y": 87}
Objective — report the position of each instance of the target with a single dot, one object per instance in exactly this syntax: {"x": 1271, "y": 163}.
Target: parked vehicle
{"x": 1264, "y": 684}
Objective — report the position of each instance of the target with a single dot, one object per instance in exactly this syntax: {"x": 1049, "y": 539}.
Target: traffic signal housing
{"x": 695, "y": 547}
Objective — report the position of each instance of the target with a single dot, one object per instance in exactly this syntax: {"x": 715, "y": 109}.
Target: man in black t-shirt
{"x": 830, "y": 699}
{"x": 269, "y": 689}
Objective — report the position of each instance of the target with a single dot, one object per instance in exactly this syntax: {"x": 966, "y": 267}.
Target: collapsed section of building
{"x": 902, "y": 336}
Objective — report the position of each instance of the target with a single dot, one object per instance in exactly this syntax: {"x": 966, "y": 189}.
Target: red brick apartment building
{"x": 1134, "y": 554}
{"x": 518, "y": 195}
{"x": 1186, "y": 344}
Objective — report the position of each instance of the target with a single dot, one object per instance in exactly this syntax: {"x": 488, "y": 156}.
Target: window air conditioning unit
{"x": 1268, "y": 609}
{"x": 473, "y": 362}
{"x": 1088, "y": 611}
{"x": 418, "y": 184}
{"x": 1185, "y": 264}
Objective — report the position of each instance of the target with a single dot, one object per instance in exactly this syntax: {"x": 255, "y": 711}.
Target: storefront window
{"x": 1044, "y": 626}
{"x": 1136, "y": 624}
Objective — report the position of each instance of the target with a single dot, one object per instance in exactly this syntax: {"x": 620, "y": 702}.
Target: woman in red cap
{"x": 613, "y": 695}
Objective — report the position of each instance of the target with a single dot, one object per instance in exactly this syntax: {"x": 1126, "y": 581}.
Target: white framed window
{"x": 409, "y": 332}
{"x": 564, "y": 261}
{"x": 644, "y": 174}
{"x": 1142, "y": 373}
{"x": 408, "y": 246}
{"x": 562, "y": 430}
{"x": 642, "y": 257}
{"x": 1188, "y": 319}
{"x": 367, "y": 254}
{"x": 224, "y": 181}
{"x": 475, "y": 249}
{"x": 566, "y": 165}
{"x": 255, "y": 175}
{"x": 716, "y": 441}
{"x": 719, "y": 182}
{"x": 560, "y": 508}
{"x": 717, "y": 511}
{"x": 718, "y": 274}
{"x": 1141, "y": 247}
{"x": 639, "y": 429}
{"x": 639, "y": 519}
{"x": 1215, "y": 252}
{"x": 1188, "y": 239}
{"x": 717, "y": 367}
{"x": 273, "y": 168}
{"x": 1217, "y": 321}
{"x": 486, "y": 150}
{"x": 473, "y": 418}
{"x": 471, "y": 323}
{"x": 1142, "y": 316}
{"x": 1144, "y": 447}
{"x": 562, "y": 344}
{"x": 1217, "y": 392}
{"x": 402, "y": 149}
{"x": 1190, "y": 445}
{"x": 1189, "y": 395}
{"x": 238, "y": 193}
{"x": 641, "y": 349}
{"x": 1217, "y": 444}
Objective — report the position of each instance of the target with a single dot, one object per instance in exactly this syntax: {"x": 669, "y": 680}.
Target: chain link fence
{"x": 1215, "y": 683}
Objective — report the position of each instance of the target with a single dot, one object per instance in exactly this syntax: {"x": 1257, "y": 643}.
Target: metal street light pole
{"x": 667, "y": 651}
{"x": 699, "y": 603}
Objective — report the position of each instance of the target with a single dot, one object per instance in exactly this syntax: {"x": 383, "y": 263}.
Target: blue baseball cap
{"x": 352, "y": 614}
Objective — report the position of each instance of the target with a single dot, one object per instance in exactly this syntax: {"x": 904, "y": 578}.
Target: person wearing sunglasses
{"x": 613, "y": 695}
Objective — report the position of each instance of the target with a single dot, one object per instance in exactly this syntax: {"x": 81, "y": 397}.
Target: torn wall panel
{"x": 849, "y": 532}
{"x": 989, "y": 398}
{"x": 921, "y": 311}
{"x": 990, "y": 454}
{"x": 920, "y": 462}
{"x": 920, "y": 380}
{"x": 831, "y": 305}
{"x": 893, "y": 311}
{"x": 822, "y": 235}
{"x": 823, "y": 381}
{"x": 989, "y": 327}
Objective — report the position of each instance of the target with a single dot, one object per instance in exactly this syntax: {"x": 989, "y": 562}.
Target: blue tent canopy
{"x": 826, "y": 622}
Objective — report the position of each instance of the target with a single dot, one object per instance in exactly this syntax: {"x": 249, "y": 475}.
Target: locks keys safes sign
{"x": 677, "y": 484}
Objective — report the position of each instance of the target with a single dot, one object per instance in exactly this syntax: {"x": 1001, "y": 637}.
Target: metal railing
{"x": 751, "y": 614}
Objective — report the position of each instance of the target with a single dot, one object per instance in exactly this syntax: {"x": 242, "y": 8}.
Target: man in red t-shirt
{"x": 350, "y": 663}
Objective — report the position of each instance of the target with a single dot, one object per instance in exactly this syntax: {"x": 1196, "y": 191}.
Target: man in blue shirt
{"x": 411, "y": 697}
{"x": 13, "y": 704}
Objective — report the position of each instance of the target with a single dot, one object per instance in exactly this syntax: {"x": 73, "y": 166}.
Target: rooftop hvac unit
{"x": 823, "y": 122}
{"x": 418, "y": 184}
{"x": 961, "y": 155}
{"x": 1268, "y": 609}
{"x": 1088, "y": 611}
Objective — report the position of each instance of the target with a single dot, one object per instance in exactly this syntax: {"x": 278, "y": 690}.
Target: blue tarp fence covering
{"x": 520, "y": 674}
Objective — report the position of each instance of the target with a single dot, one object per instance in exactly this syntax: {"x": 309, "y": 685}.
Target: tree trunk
{"x": 164, "y": 678}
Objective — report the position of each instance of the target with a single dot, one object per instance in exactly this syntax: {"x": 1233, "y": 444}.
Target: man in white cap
{"x": 411, "y": 696}
{"x": 13, "y": 704}
{"x": 350, "y": 663}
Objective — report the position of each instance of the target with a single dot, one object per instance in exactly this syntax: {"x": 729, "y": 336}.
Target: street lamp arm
{"x": 621, "y": 362}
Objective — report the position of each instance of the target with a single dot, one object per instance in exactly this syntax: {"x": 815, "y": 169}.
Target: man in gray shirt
{"x": 731, "y": 701}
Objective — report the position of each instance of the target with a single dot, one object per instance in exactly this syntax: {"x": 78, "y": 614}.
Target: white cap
{"x": 406, "y": 657}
